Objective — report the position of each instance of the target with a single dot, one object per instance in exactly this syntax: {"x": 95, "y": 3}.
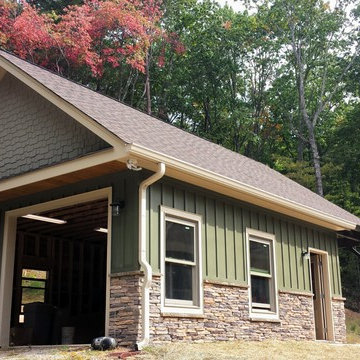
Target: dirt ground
{"x": 279, "y": 350}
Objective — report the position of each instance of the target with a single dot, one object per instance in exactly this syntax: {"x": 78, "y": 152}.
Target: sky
{"x": 236, "y": 5}
{"x": 239, "y": 4}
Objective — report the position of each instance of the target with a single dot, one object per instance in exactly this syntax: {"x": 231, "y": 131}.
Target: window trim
{"x": 263, "y": 313}
{"x": 194, "y": 307}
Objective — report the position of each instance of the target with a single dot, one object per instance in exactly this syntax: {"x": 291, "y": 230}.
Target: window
{"x": 261, "y": 260}
{"x": 181, "y": 263}
{"x": 33, "y": 287}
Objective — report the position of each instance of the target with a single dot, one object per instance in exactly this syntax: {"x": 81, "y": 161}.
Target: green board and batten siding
{"x": 223, "y": 229}
{"x": 223, "y": 236}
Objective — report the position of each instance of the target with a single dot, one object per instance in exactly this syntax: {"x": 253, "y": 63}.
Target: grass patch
{"x": 63, "y": 353}
{"x": 226, "y": 350}
{"x": 265, "y": 350}
{"x": 352, "y": 327}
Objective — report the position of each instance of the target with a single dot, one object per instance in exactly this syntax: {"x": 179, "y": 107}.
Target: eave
{"x": 235, "y": 189}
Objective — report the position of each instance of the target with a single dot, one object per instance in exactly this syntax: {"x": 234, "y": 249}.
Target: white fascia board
{"x": 249, "y": 190}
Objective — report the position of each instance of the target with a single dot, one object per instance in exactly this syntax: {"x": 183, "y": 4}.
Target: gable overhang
{"x": 117, "y": 152}
{"x": 57, "y": 173}
{"x": 221, "y": 184}
{"x": 59, "y": 102}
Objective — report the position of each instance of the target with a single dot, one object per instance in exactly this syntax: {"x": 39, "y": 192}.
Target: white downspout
{"x": 145, "y": 299}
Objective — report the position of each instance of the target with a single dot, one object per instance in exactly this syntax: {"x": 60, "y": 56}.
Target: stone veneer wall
{"x": 125, "y": 308}
{"x": 226, "y": 315}
{"x": 339, "y": 319}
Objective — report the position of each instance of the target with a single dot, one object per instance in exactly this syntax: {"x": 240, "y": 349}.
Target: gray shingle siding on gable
{"x": 35, "y": 134}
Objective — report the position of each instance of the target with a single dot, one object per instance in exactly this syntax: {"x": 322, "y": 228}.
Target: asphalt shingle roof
{"x": 135, "y": 127}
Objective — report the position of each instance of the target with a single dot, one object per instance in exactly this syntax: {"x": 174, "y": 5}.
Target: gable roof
{"x": 139, "y": 129}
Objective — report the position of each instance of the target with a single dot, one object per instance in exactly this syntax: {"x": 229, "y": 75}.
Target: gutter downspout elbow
{"x": 145, "y": 299}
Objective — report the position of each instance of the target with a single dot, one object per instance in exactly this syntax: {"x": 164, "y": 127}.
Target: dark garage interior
{"x": 60, "y": 276}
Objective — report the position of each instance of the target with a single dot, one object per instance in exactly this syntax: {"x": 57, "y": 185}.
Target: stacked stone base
{"x": 226, "y": 316}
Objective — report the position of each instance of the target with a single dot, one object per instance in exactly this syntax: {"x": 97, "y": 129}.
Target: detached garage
{"x": 115, "y": 223}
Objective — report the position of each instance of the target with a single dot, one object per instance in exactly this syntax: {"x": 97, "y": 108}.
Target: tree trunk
{"x": 310, "y": 123}
{"x": 301, "y": 142}
{"x": 316, "y": 162}
{"x": 147, "y": 83}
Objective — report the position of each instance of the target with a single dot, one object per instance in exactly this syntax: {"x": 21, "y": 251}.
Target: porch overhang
{"x": 350, "y": 239}
{"x": 56, "y": 176}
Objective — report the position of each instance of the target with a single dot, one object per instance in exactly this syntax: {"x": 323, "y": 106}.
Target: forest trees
{"x": 95, "y": 35}
{"x": 319, "y": 47}
{"x": 272, "y": 84}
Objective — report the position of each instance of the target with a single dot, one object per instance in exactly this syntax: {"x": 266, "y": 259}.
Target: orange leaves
{"x": 25, "y": 33}
{"x": 227, "y": 25}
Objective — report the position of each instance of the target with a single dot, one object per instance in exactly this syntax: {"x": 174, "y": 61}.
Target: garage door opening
{"x": 60, "y": 275}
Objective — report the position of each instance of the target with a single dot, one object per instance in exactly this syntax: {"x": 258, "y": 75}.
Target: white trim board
{"x": 194, "y": 220}
{"x": 328, "y": 292}
{"x": 257, "y": 235}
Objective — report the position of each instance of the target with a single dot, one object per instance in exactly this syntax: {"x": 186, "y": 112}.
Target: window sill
{"x": 182, "y": 311}
{"x": 183, "y": 315}
{"x": 265, "y": 319}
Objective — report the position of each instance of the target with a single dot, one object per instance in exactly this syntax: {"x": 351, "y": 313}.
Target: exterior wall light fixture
{"x": 116, "y": 207}
{"x": 306, "y": 255}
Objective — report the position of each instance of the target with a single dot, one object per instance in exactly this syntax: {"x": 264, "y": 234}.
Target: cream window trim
{"x": 177, "y": 306}
{"x": 259, "y": 311}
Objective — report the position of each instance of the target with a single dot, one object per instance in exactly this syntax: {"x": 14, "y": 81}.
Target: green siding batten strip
{"x": 239, "y": 246}
{"x": 279, "y": 254}
{"x": 285, "y": 255}
{"x": 201, "y": 210}
{"x": 154, "y": 235}
{"x": 339, "y": 292}
{"x": 246, "y": 216}
{"x": 179, "y": 199}
{"x": 298, "y": 257}
{"x": 220, "y": 240}
{"x": 292, "y": 257}
{"x": 211, "y": 238}
{"x": 230, "y": 242}
{"x": 190, "y": 205}
{"x": 332, "y": 264}
{"x": 262, "y": 222}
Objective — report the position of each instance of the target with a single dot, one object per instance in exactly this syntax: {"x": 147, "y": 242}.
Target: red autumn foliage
{"x": 7, "y": 13}
{"x": 94, "y": 34}
{"x": 31, "y": 32}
